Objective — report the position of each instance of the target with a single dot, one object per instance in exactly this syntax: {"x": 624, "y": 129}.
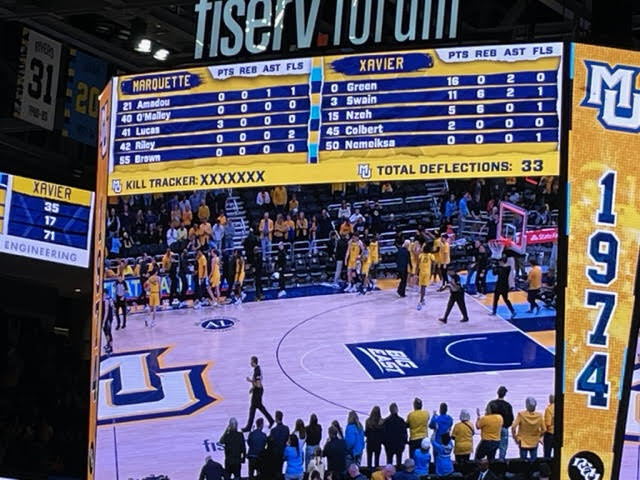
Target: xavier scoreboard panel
{"x": 45, "y": 221}
{"x": 454, "y": 112}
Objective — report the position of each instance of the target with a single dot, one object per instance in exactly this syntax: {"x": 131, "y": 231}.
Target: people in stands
{"x": 462, "y": 434}
{"x": 395, "y": 435}
{"x": 528, "y": 429}
{"x": 235, "y": 449}
{"x": 483, "y": 472}
{"x": 313, "y": 436}
{"x": 335, "y": 450}
{"x": 212, "y": 470}
{"x": 490, "y": 425}
{"x": 442, "y": 449}
{"x": 263, "y": 199}
{"x": 417, "y": 421}
{"x": 302, "y": 228}
{"x": 354, "y": 438}
{"x": 409, "y": 472}
{"x": 280, "y": 229}
{"x": 256, "y": 441}
{"x": 336, "y": 425}
{"x": 316, "y": 463}
{"x": 374, "y": 433}
{"x": 203, "y": 211}
{"x": 279, "y": 198}
{"x": 293, "y": 458}
{"x": 505, "y": 410}
{"x": 344, "y": 212}
{"x": 353, "y": 473}
{"x": 313, "y": 235}
{"x": 549, "y": 414}
{"x": 278, "y": 437}
{"x": 291, "y": 228}
{"x": 294, "y": 205}
{"x": 265, "y": 229}
{"x": 422, "y": 457}
{"x": 385, "y": 473}
{"x": 450, "y": 207}
{"x": 217, "y": 236}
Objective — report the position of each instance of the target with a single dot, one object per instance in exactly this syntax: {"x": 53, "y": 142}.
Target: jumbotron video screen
{"x": 416, "y": 251}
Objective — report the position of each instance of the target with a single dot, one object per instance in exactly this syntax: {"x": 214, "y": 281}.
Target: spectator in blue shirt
{"x": 293, "y": 457}
{"x": 450, "y": 208}
{"x": 409, "y": 472}
{"x": 441, "y": 423}
{"x": 442, "y": 454}
{"x": 422, "y": 457}
{"x": 354, "y": 438}
{"x": 257, "y": 440}
{"x": 463, "y": 207}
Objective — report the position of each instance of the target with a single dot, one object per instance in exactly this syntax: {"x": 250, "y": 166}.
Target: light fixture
{"x": 77, "y": 290}
{"x": 143, "y": 45}
{"x": 161, "y": 54}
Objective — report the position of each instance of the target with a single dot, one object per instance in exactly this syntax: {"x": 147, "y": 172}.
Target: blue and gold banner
{"x": 603, "y": 233}
{"x": 455, "y": 112}
{"x": 87, "y": 76}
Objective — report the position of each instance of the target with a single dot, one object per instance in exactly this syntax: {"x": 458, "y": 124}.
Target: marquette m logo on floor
{"x": 138, "y": 386}
{"x": 612, "y": 91}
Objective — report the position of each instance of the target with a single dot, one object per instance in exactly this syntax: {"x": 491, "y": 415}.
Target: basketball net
{"x": 497, "y": 247}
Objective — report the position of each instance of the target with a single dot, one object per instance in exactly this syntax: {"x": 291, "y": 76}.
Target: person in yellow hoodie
{"x": 527, "y": 429}
{"x": 534, "y": 278}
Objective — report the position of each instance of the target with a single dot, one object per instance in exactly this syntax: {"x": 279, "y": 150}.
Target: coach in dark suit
{"x": 483, "y": 472}
{"x": 402, "y": 263}
{"x": 395, "y": 435}
{"x": 277, "y": 441}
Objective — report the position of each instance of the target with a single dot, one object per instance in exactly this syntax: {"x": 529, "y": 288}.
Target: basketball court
{"x": 168, "y": 392}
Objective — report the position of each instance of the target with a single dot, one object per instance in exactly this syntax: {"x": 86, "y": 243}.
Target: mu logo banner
{"x": 612, "y": 90}
{"x": 137, "y": 386}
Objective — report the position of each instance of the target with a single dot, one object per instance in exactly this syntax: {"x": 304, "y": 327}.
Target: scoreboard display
{"x": 490, "y": 111}
{"x": 45, "y": 221}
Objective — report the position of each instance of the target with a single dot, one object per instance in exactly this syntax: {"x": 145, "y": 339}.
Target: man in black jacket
{"x": 183, "y": 269}
{"x": 278, "y": 440}
{"x": 257, "y": 441}
{"x": 249, "y": 244}
{"x": 341, "y": 252}
{"x": 212, "y": 471}
{"x": 336, "y": 452}
{"x": 505, "y": 410}
{"x": 402, "y": 264}
{"x": 324, "y": 225}
{"x": 502, "y": 286}
{"x": 395, "y": 435}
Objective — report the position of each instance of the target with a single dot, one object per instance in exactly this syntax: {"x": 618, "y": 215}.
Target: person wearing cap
{"x": 505, "y": 410}
{"x": 417, "y": 421}
{"x": 409, "y": 472}
{"x": 422, "y": 457}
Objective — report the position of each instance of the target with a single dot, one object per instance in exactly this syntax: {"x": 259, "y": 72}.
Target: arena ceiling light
{"x": 143, "y": 46}
{"x": 161, "y": 54}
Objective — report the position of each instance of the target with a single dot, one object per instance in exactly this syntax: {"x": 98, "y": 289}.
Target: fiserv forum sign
{"x": 227, "y": 28}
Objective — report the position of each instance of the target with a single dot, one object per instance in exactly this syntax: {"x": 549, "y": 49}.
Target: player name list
{"x": 417, "y": 107}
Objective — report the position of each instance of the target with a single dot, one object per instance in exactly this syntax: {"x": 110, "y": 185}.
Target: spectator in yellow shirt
{"x": 187, "y": 214}
{"x": 385, "y": 473}
{"x": 535, "y": 283}
{"x": 490, "y": 426}
{"x": 294, "y": 205}
{"x": 280, "y": 229}
{"x": 166, "y": 261}
{"x": 204, "y": 233}
{"x": 527, "y": 429}
{"x": 346, "y": 228}
{"x": 302, "y": 227}
{"x": 203, "y": 211}
{"x": 462, "y": 434}
{"x": 417, "y": 420}
{"x": 279, "y": 198}
{"x": 549, "y": 414}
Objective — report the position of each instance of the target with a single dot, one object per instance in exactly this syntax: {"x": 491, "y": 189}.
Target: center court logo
{"x": 218, "y": 323}
{"x": 389, "y": 361}
{"x": 138, "y": 386}
{"x": 611, "y": 90}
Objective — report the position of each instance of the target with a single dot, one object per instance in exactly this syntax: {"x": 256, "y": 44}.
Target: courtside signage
{"x": 603, "y": 232}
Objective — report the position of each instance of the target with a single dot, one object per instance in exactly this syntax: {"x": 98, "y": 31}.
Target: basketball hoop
{"x": 497, "y": 247}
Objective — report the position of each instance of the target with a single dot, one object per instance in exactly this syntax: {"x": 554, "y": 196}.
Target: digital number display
{"x": 459, "y": 112}
{"x": 45, "y": 221}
